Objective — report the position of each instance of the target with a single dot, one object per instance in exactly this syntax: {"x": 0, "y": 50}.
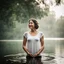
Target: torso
{"x": 33, "y": 42}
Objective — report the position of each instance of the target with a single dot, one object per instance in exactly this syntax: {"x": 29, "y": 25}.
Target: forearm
{"x": 42, "y": 48}
{"x": 25, "y": 49}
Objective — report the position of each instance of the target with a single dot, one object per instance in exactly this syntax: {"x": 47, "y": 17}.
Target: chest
{"x": 33, "y": 38}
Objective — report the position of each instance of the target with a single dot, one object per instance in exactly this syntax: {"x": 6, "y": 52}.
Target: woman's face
{"x": 31, "y": 24}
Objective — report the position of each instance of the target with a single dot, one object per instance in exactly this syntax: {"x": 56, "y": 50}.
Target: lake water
{"x": 53, "y": 52}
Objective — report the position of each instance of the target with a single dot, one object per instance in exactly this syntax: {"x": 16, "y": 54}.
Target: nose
{"x": 30, "y": 24}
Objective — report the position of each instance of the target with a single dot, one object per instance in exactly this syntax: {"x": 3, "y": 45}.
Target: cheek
{"x": 29, "y": 25}
{"x": 33, "y": 25}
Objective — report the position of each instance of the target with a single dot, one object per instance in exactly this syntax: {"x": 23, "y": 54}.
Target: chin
{"x": 30, "y": 27}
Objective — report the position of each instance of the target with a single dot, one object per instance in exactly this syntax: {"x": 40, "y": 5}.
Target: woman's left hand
{"x": 36, "y": 54}
{"x": 42, "y": 47}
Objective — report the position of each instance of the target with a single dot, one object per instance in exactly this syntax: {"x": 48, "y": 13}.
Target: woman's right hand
{"x": 30, "y": 54}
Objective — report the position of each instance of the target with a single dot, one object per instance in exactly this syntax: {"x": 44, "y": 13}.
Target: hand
{"x": 35, "y": 55}
{"x": 30, "y": 54}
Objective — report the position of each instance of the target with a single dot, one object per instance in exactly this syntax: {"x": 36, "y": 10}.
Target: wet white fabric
{"x": 33, "y": 42}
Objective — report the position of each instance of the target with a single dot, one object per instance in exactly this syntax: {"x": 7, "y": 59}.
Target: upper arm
{"x": 42, "y": 41}
{"x": 24, "y": 39}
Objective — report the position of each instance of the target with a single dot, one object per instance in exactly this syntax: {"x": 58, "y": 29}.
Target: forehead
{"x": 31, "y": 21}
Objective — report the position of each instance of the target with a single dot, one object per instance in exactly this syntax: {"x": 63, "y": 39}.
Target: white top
{"x": 33, "y": 42}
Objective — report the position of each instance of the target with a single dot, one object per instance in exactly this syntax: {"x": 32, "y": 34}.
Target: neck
{"x": 33, "y": 30}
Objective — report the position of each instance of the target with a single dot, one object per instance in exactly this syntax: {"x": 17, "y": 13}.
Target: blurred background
{"x": 14, "y": 16}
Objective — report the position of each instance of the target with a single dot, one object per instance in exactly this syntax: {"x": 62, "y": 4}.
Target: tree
{"x": 20, "y": 11}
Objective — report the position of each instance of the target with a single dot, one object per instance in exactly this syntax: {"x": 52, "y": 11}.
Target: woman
{"x": 33, "y": 41}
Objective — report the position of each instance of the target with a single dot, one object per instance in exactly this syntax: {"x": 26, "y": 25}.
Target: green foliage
{"x": 12, "y": 11}
{"x": 23, "y": 10}
{"x": 17, "y": 10}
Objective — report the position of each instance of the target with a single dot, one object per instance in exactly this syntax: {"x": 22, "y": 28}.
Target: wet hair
{"x": 35, "y": 23}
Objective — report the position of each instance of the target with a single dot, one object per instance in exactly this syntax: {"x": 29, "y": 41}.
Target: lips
{"x": 30, "y": 26}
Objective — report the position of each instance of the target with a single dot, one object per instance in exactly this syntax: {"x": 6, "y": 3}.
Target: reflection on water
{"x": 12, "y": 53}
{"x": 35, "y": 60}
{"x": 21, "y": 59}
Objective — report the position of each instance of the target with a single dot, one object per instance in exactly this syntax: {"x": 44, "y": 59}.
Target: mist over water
{"x": 48, "y": 25}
